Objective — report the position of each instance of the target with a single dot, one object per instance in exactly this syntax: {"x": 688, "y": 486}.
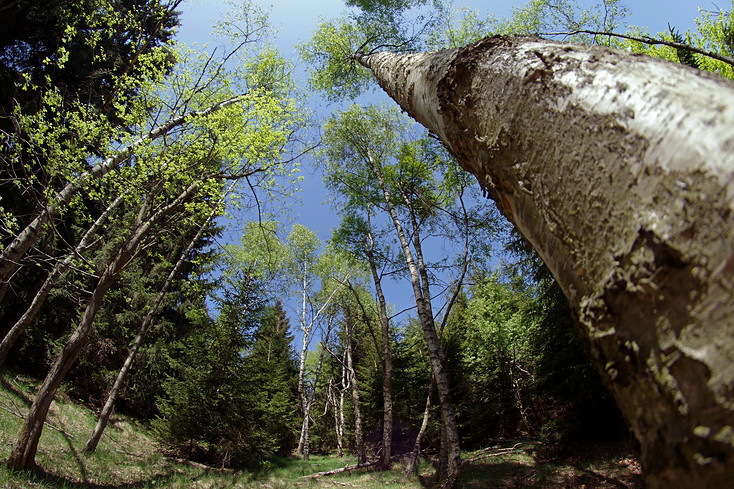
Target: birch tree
{"x": 617, "y": 168}
{"x": 374, "y": 167}
{"x": 24, "y": 452}
{"x": 109, "y": 404}
{"x": 241, "y": 138}
{"x": 356, "y": 234}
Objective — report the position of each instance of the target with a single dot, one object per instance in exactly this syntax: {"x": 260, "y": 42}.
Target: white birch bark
{"x": 619, "y": 170}
{"x": 304, "y": 396}
{"x": 450, "y": 459}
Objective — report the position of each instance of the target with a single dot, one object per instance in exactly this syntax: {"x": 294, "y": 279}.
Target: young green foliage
{"x": 714, "y": 34}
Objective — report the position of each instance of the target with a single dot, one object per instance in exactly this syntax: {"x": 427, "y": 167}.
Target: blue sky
{"x": 295, "y": 20}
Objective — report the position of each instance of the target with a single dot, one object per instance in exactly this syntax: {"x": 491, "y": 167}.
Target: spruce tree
{"x": 272, "y": 370}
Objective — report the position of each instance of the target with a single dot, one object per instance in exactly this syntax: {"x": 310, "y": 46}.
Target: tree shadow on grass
{"x": 603, "y": 470}
{"x": 39, "y": 475}
{"x": 501, "y": 475}
{"x": 10, "y": 386}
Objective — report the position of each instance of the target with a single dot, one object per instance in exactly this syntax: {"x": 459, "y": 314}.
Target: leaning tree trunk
{"x": 32, "y": 311}
{"x": 109, "y": 404}
{"x": 619, "y": 170}
{"x": 24, "y": 453}
{"x": 15, "y": 250}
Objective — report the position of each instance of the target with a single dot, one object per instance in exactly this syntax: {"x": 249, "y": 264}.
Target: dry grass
{"x": 602, "y": 466}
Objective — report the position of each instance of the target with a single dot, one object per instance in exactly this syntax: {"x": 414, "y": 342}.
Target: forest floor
{"x": 128, "y": 457}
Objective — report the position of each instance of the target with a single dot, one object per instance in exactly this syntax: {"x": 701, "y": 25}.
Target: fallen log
{"x": 340, "y": 470}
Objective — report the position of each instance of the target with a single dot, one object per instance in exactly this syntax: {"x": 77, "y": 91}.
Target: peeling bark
{"x": 618, "y": 169}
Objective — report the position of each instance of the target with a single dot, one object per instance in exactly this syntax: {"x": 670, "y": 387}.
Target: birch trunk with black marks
{"x": 618, "y": 169}
{"x": 450, "y": 463}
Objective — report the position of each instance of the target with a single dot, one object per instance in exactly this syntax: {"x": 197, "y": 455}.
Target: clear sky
{"x": 295, "y": 20}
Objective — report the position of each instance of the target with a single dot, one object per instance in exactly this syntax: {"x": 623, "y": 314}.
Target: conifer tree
{"x": 272, "y": 370}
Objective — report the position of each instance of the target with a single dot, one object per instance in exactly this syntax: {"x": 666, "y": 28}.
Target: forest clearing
{"x": 129, "y": 457}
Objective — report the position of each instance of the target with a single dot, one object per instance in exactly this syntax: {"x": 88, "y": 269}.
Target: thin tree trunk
{"x": 387, "y": 418}
{"x": 104, "y": 415}
{"x": 618, "y": 169}
{"x": 412, "y": 465}
{"x": 30, "y": 314}
{"x": 307, "y": 328}
{"x": 358, "y": 437}
{"x": 346, "y": 376}
{"x": 302, "y": 394}
{"x": 335, "y": 397}
{"x": 303, "y": 446}
{"x": 24, "y": 454}
{"x": 449, "y": 478}
{"x": 308, "y": 397}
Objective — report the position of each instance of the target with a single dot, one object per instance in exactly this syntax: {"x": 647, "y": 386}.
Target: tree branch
{"x": 649, "y": 40}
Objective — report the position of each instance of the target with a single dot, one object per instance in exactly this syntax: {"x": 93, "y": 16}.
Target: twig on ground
{"x": 124, "y": 452}
{"x": 339, "y": 470}
{"x": 496, "y": 453}
{"x": 190, "y": 463}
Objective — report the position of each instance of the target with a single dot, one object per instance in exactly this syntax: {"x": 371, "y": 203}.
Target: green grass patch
{"x": 128, "y": 457}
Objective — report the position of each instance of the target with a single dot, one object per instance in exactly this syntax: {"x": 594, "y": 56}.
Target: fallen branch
{"x": 500, "y": 451}
{"x": 339, "y": 470}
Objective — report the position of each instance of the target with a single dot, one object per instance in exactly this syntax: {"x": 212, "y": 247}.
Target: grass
{"x": 127, "y": 457}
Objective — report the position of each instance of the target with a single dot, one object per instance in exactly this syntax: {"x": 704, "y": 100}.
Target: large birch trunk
{"x": 618, "y": 169}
